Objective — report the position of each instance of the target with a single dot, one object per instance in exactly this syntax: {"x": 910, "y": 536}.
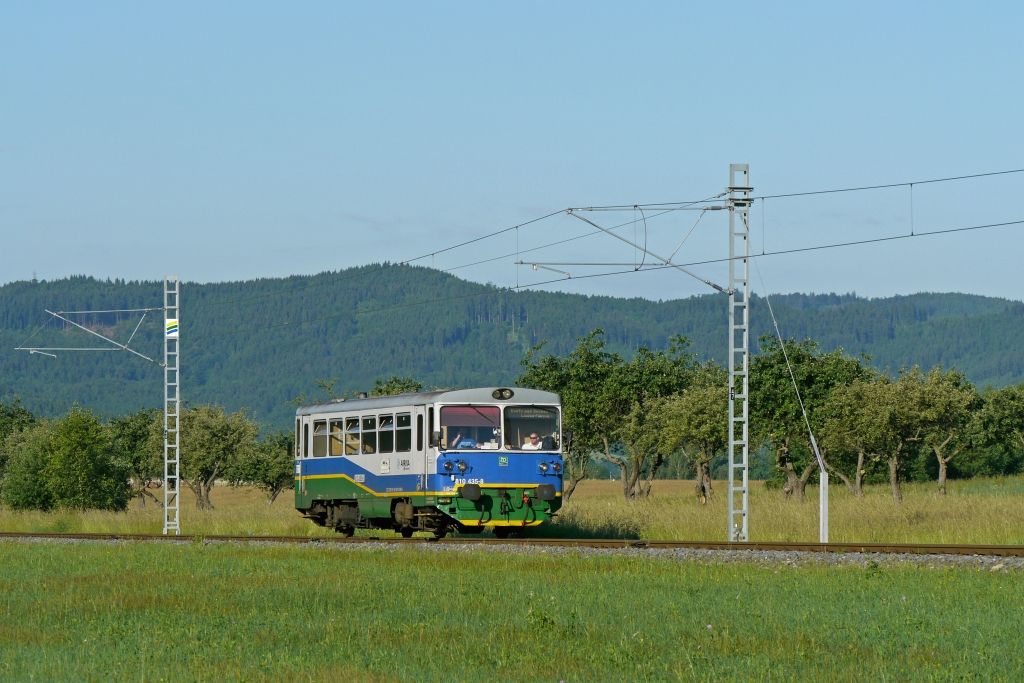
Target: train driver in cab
{"x": 532, "y": 443}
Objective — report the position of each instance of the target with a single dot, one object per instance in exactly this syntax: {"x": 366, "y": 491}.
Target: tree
{"x": 775, "y": 413}
{"x": 129, "y": 443}
{"x": 853, "y": 430}
{"x": 395, "y": 385}
{"x": 606, "y": 402}
{"x": 998, "y": 432}
{"x": 899, "y": 420}
{"x": 267, "y": 464}
{"x": 23, "y": 486}
{"x": 210, "y": 442}
{"x": 627, "y": 408}
{"x": 80, "y": 472}
{"x": 13, "y": 418}
{"x": 638, "y": 435}
{"x": 948, "y": 403}
{"x": 696, "y": 422}
{"x": 580, "y": 380}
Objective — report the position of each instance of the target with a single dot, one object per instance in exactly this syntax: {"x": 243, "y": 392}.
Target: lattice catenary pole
{"x": 738, "y": 204}
{"x": 172, "y": 406}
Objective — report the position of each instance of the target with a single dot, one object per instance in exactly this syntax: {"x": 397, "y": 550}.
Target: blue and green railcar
{"x": 462, "y": 460}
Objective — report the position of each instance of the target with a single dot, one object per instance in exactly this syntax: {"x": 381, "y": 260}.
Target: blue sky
{"x": 234, "y": 140}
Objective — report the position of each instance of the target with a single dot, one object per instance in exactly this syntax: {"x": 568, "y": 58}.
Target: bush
{"x": 24, "y": 485}
{"x": 80, "y": 471}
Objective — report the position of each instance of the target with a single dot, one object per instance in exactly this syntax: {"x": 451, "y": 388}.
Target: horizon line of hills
{"x": 262, "y": 344}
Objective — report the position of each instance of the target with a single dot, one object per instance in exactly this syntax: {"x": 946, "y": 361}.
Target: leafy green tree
{"x": 1006, "y": 407}
{"x": 695, "y": 422}
{"x": 948, "y": 405}
{"x": 267, "y": 464}
{"x": 998, "y": 433}
{"x": 129, "y": 443}
{"x": 852, "y": 432}
{"x": 606, "y": 402}
{"x": 775, "y": 414}
{"x": 81, "y": 472}
{"x": 630, "y": 393}
{"x": 211, "y": 441}
{"x": 579, "y": 379}
{"x": 395, "y": 385}
{"x": 23, "y": 486}
{"x": 905, "y": 426}
{"x": 898, "y": 419}
{"x": 13, "y": 418}
{"x": 324, "y": 394}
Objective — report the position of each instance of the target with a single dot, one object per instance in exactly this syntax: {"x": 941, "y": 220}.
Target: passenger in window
{"x": 533, "y": 443}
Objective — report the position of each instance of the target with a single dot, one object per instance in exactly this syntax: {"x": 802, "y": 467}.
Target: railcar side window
{"x": 419, "y": 432}
{"x": 337, "y": 447}
{"x": 298, "y": 438}
{"x": 369, "y": 434}
{"x": 351, "y": 436}
{"x": 305, "y": 441}
{"x": 386, "y": 434}
{"x": 319, "y": 438}
{"x": 403, "y": 437}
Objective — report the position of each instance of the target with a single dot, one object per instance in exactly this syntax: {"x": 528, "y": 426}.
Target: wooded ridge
{"x": 263, "y": 344}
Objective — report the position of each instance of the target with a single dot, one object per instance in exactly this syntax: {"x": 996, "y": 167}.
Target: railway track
{"x": 879, "y": 548}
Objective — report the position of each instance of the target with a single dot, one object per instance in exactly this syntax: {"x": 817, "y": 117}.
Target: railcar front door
{"x": 421, "y": 447}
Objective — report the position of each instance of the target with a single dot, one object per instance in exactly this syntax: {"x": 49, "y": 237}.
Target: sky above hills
{"x": 235, "y": 140}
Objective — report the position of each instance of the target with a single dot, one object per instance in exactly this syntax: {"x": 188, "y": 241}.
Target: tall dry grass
{"x": 983, "y": 511}
{"x": 238, "y": 511}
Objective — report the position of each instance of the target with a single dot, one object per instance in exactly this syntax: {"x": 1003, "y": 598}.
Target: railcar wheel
{"x": 406, "y": 532}
{"x": 501, "y": 531}
{"x": 346, "y": 531}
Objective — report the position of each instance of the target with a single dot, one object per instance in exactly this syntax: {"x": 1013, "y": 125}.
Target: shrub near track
{"x": 146, "y": 612}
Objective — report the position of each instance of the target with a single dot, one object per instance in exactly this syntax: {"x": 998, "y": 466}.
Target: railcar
{"x": 462, "y": 460}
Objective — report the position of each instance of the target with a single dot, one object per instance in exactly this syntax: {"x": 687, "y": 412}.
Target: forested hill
{"x": 263, "y": 343}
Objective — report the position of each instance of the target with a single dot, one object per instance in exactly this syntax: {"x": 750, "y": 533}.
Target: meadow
{"x": 101, "y": 611}
{"x": 981, "y": 511}
{"x": 198, "y": 611}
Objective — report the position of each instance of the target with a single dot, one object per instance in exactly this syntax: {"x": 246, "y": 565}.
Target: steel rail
{"x": 879, "y": 548}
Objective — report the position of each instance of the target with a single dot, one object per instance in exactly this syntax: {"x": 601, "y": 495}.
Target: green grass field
{"x": 148, "y": 612}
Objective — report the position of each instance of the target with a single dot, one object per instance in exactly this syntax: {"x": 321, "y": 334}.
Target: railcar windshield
{"x": 531, "y": 428}
{"x": 471, "y": 427}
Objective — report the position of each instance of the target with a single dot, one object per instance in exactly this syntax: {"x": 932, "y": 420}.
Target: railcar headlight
{"x": 463, "y": 466}
{"x": 557, "y": 467}
{"x": 543, "y": 467}
{"x": 447, "y": 466}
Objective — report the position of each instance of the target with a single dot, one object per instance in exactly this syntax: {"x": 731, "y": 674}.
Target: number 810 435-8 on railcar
{"x": 461, "y": 460}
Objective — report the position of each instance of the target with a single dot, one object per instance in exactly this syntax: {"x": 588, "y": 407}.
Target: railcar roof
{"x": 479, "y": 395}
